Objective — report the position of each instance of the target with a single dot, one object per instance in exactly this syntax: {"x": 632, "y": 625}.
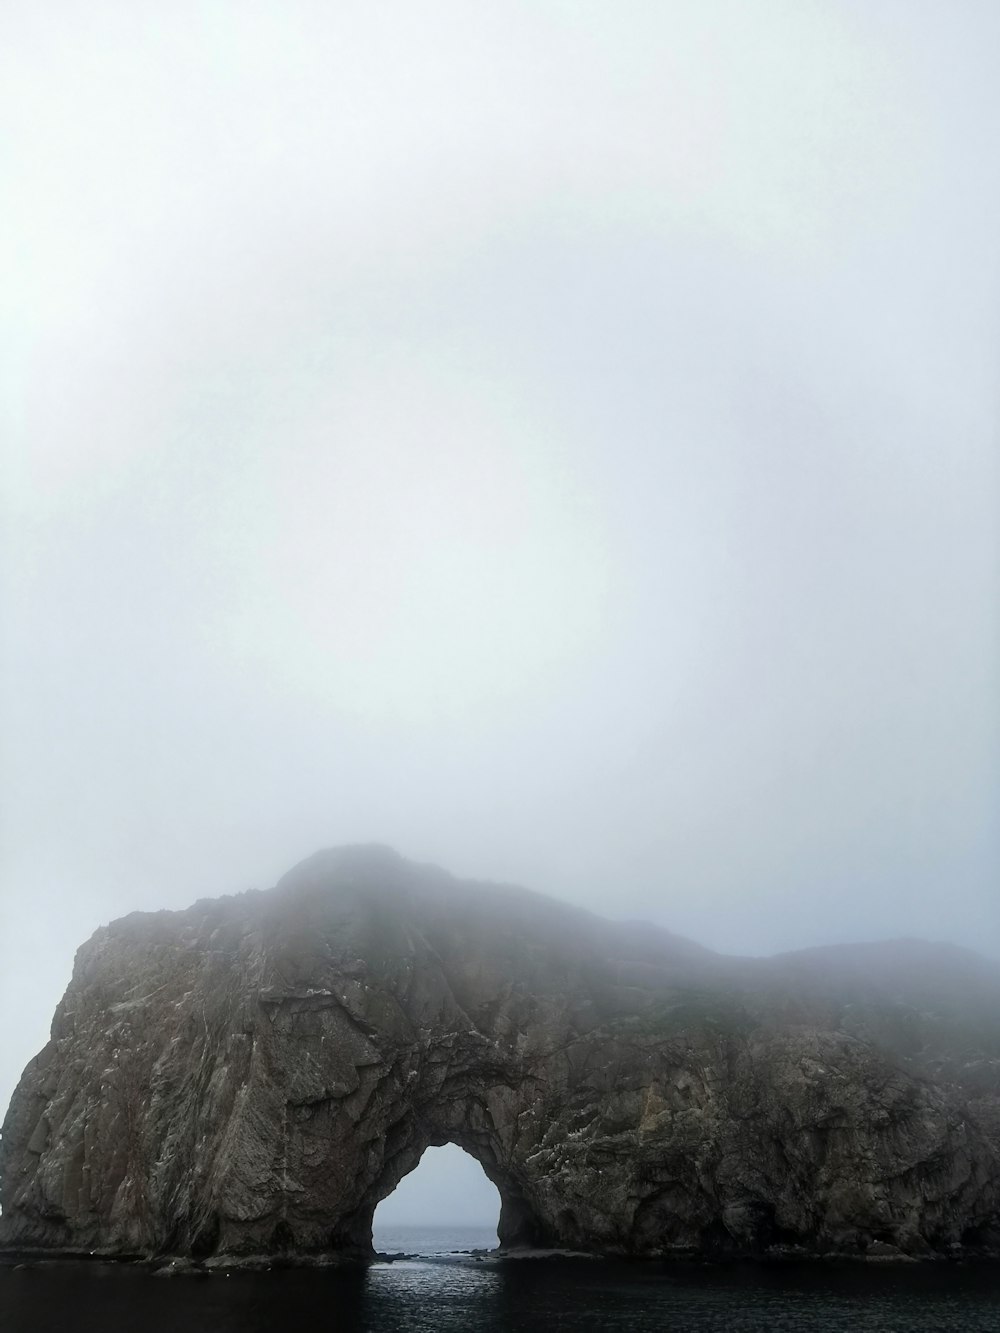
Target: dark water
{"x": 442, "y": 1291}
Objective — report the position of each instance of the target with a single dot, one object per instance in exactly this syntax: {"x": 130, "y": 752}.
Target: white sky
{"x": 558, "y": 439}
{"x": 449, "y": 1179}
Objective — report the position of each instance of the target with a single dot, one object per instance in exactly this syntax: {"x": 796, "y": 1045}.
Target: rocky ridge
{"x": 253, "y": 1075}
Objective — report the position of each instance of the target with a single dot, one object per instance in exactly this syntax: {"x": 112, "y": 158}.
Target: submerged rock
{"x": 253, "y": 1075}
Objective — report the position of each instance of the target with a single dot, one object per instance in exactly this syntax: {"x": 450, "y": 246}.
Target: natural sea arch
{"x": 447, "y": 1188}
{"x": 518, "y": 1224}
{"x": 255, "y": 1074}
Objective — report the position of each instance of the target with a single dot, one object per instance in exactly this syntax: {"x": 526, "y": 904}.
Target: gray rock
{"x": 251, "y": 1076}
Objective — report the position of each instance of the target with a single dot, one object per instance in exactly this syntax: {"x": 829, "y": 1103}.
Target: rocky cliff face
{"x": 254, "y": 1074}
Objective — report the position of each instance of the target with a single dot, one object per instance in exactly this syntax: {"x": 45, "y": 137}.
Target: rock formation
{"x": 254, "y": 1074}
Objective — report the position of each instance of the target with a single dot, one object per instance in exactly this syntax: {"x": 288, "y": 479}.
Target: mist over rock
{"x": 254, "y": 1074}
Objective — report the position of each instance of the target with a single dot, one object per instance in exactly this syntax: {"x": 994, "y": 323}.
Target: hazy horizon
{"x": 558, "y": 441}
{"x": 454, "y": 1180}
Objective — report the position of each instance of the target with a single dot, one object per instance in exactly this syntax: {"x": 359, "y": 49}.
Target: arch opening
{"x": 445, "y": 1202}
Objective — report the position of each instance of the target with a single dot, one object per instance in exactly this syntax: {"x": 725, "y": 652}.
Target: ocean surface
{"x": 439, "y": 1289}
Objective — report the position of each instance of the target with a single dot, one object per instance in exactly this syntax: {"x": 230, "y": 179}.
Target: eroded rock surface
{"x": 254, "y": 1074}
